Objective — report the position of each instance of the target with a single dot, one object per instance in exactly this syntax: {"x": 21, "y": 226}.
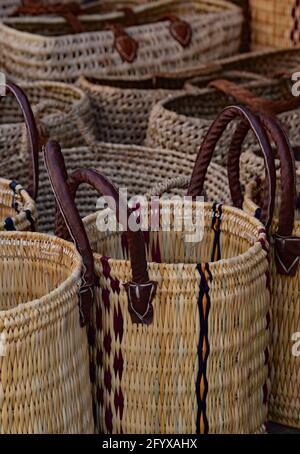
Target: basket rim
{"x": 73, "y": 278}
{"x": 7, "y": 23}
{"x": 216, "y": 267}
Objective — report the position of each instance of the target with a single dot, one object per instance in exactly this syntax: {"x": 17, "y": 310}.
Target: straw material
{"x": 266, "y": 63}
{"x": 285, "y": 304}
{"x": 45, "y": 386}
{"x": 182, "y": 121}
{"x": 216, "y": 186}
{"x": 44, "y": 48}
{"x": 275, "y": 23}
{"x": 17, "y": 209}
{"x": 128, "y": 166}
{"x": 123, "y": 105}
{"x": 205, "y": 350}
{"x": 57, "y": 108}
{"x": 252, "y": 165}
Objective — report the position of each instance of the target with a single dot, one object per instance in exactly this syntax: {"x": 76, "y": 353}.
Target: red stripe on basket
{"x": 295, "y": 28}
{"x": 113, "y": 356}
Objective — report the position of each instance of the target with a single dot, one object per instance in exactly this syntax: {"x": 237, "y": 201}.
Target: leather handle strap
{"x": 32, "y": 134}
{"x": 257, "y": 104}
{"x": 58, "y": 178}
{"x": 141, "y": 290}
{"x": 125, "y": 45}
{"x": 287, "y": 247}
{"x": 210, "y": 142}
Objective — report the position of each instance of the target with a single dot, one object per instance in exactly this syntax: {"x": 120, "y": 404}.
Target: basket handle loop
{"x": 287, "y": 247}
{"x": 257, "y": 104}
{"x": 32, "y": 134}
{"x": 141, "y": 290}
{"x": 209, "y": 144}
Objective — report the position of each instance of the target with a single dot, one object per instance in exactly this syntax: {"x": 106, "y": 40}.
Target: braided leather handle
{"x": 141, "y": 291}
{"x": 209, "y": 144}
{"x": 32, "y": 134}
{"x": 287, "y": 247}
{"x": 257, "y": 104}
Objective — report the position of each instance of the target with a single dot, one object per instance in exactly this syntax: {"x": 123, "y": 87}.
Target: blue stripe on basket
{"x": 204, "y": 271}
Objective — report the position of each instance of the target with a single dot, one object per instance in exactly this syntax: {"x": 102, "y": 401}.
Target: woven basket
{"x": 181, "y": 121}
{"x": 285, "y": 303}
{"x": 123, "y": 105}
{"x": 58, "y": 108}
{"x": 44, "y": 48}
{"x": 124, "y": 165}
{"x": 274, "y": 23}
{"x": 183, "y": 366}
{"x": 45, "y": 385}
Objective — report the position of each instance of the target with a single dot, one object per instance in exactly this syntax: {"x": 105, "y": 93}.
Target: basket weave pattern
{"x": 284, "y": 406}
{"x": 30, "y": 48}
{"x": 214, "y": 381}
{"x": 45, "y": 386}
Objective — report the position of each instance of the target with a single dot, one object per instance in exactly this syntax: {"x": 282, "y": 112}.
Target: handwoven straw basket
{"x": 17, "y": 205}
{"x": 123, "y": 105}
{"x": 274, "y": 23}
{"x": 45, "y": 48}
{"x": 181, "y": 121}
{"x": 45, "y": 385}
{"x": 62, "y": 111}
{"x": 166, "y": 356}
{"x": 284, "y": 284}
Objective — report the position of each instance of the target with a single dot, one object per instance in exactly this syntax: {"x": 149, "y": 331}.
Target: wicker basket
{"x": 275, "y": 23}
{"x": 127, "y": 166}
{"x": 285, "y": 275}
{"x": 181, "y": 121}
{"x": 45, "y": 385}
{"x": 183, "y": 366}
{"x": 123, "y": 105}
{"x": 58, "y": 108}
{"x": 44, "y": 48}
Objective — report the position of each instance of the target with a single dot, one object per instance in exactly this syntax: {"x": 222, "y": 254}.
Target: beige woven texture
{"x": 44, "y": 380}
{"x": 57, "y": 108}
{"x": 284, "y": 406}
{"x": 123, "y": 105}
{"x": 44, "y": 48}
{"x": 129, "y": 167}
{"x": 275, "y": 23}
{"x": 161, "y": 398}
{"x": 16, "y": 205}
{"x": 182, "y": 121}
